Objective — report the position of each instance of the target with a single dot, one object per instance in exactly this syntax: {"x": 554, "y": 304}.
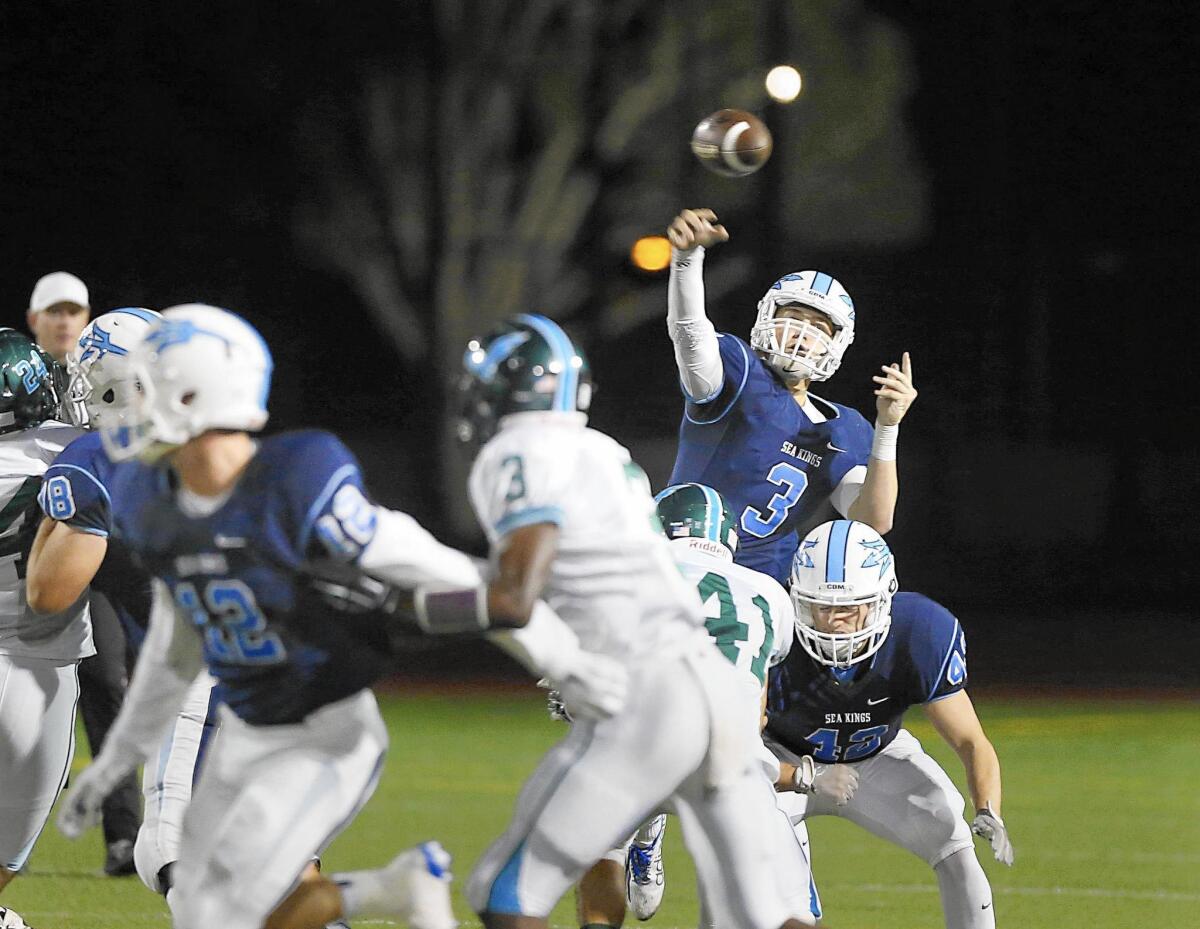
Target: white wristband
{"x": 883, "y": 446}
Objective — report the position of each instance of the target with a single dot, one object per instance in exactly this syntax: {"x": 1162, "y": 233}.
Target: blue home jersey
{"x": 277, "y": 651}
{"x": 74, "y": 491}
{"x": 774, "y": 464}
{"x": 852, "y": 715}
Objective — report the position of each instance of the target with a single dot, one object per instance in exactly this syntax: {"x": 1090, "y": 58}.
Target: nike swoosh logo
{"x": 833, "y": 448}
{"x": 986, "y": 905}
{"x": 880, "y": 700}
{"x": 229, "y": 541}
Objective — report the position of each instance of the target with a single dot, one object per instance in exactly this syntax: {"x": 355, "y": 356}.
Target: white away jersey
{"x": 749, "y": 616}
{"x": 24, "y": 458}
{"x": 613, "y": 579}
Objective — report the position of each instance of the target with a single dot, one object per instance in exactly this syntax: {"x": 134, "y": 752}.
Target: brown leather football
{"x": 732, "y": 143}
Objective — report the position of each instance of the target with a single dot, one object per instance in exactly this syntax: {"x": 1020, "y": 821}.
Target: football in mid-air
{"x": 732, "y": 143}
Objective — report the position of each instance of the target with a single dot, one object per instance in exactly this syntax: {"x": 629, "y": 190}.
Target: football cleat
{"x": 12, "y": 920}
{"x": 644, "y": 878}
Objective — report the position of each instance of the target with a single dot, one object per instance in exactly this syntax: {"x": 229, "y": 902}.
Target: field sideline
{"x": 1100, "y": 798}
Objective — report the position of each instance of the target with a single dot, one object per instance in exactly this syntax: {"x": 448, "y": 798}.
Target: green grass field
{"x": 1101, "y": 798}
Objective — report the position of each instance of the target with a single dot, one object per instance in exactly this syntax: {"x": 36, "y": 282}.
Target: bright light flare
{"x": 651, "y": 253}
{"x": 783, "y": 83}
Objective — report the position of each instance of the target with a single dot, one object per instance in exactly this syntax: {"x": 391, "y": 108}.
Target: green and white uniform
{"x": 39, "y": 686}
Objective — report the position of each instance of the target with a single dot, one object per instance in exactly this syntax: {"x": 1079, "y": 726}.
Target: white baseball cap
{"x": 58, "y": 287}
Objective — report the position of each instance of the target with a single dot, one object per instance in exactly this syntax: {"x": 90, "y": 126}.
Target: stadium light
{"x": 651, "y": 253}
{"x": 783, "y": 83}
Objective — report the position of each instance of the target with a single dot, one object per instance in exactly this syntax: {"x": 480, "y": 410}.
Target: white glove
{"x": 592, "y": 686}
{"x": 80, "y": 808}
{"x": 991, "y": 827}
{"x": 836, "y": 782}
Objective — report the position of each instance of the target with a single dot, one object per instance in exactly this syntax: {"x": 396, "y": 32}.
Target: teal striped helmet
{"x": 31, "y": 382}
{"x": 527, "y": 364}
{"x": 697, "y": 512}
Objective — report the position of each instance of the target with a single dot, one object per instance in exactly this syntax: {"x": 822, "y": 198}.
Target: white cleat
{"x": 644, "y": 878}
{"x": 11, "y": 920}
{"x": 420, "y": 881}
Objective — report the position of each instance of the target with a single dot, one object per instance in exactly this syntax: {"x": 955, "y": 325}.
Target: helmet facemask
{"x": 797, "y": 349}
{"x": 842, "y": 649}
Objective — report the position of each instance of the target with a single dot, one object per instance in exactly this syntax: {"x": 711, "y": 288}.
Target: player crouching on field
{"x": 868, "y": 654}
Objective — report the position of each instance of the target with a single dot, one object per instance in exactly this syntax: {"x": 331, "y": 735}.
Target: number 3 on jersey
{"x": 793, "y": 481}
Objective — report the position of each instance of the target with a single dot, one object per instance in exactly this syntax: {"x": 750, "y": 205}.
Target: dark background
{"x": 1049, "y": 468}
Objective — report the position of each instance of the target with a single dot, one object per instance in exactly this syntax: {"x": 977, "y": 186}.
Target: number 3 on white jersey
{"x": 793, "y": 481}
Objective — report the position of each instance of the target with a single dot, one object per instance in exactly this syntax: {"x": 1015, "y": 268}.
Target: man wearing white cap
{"x": 58, "y": 311}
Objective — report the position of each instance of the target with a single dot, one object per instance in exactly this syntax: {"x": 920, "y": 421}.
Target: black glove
{"x": 349, "y": 590}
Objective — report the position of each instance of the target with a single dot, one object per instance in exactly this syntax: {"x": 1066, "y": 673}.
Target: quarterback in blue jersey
{"x": 869, "y": 653}
{"x": 752, "y": 430}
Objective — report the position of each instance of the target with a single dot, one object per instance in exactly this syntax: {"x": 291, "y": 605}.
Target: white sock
{"x": 966, "y": 893}
{"x": 364, "y": 892}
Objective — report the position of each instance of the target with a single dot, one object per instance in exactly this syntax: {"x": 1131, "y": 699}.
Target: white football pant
{"x": 268, "y": 799}
{"x": 37, "y": 741}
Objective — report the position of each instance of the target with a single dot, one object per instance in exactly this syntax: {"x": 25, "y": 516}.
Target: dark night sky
{"x": 156, "y": 154}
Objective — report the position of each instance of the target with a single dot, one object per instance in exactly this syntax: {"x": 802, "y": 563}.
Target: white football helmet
{"x": 99, "y": 382}
{"x": 843, "y": 563}
{"x": 783, "y": 340}
{"x": 200, "y": 368}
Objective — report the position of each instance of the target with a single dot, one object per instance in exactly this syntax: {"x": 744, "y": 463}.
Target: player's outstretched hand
{"x": 991, "y": 827}
{"x": 895, "y": 393}
{"x": 836, "y": 782}
{"x": 593, "y": 686}
{"x": 696, "y": 227}
{"x": 80, "y": 809}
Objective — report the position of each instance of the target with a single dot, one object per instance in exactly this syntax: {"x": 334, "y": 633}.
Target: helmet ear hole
{"x": 108, "y": 396}
{"x": 188, "y": 398}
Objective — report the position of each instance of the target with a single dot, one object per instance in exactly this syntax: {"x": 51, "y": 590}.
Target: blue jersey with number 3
{"x": 75, "y": 491}
{"x": 850, "y": 716}
{"x": 278, "y": 651}
{"x": 775, "y": 464}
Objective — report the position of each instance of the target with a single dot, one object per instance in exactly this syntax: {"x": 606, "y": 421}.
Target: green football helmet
{"x": 694, "y": 511}
{"x": 528, "y": 364}
{"x": 30, "y": 382}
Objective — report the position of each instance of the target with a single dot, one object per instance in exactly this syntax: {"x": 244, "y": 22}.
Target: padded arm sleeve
{"x": 697, "y": 355}
{"x": 545, "y": 645}
{"x": 168, "y": 663}
{"x": 405, "y": 554}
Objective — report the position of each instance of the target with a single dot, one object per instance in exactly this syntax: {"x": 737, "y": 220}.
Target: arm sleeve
{"x": 848, "y": 489}
{"x": 544, "y": 645}
{"x": 169, "y": 661}
{"x": 695, "y": 339}
{"x": 402, "y": 552}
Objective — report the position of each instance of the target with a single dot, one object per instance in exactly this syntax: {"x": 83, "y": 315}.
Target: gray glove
{"x": 991, "y": 827}
{"x": 836, "y": 782}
